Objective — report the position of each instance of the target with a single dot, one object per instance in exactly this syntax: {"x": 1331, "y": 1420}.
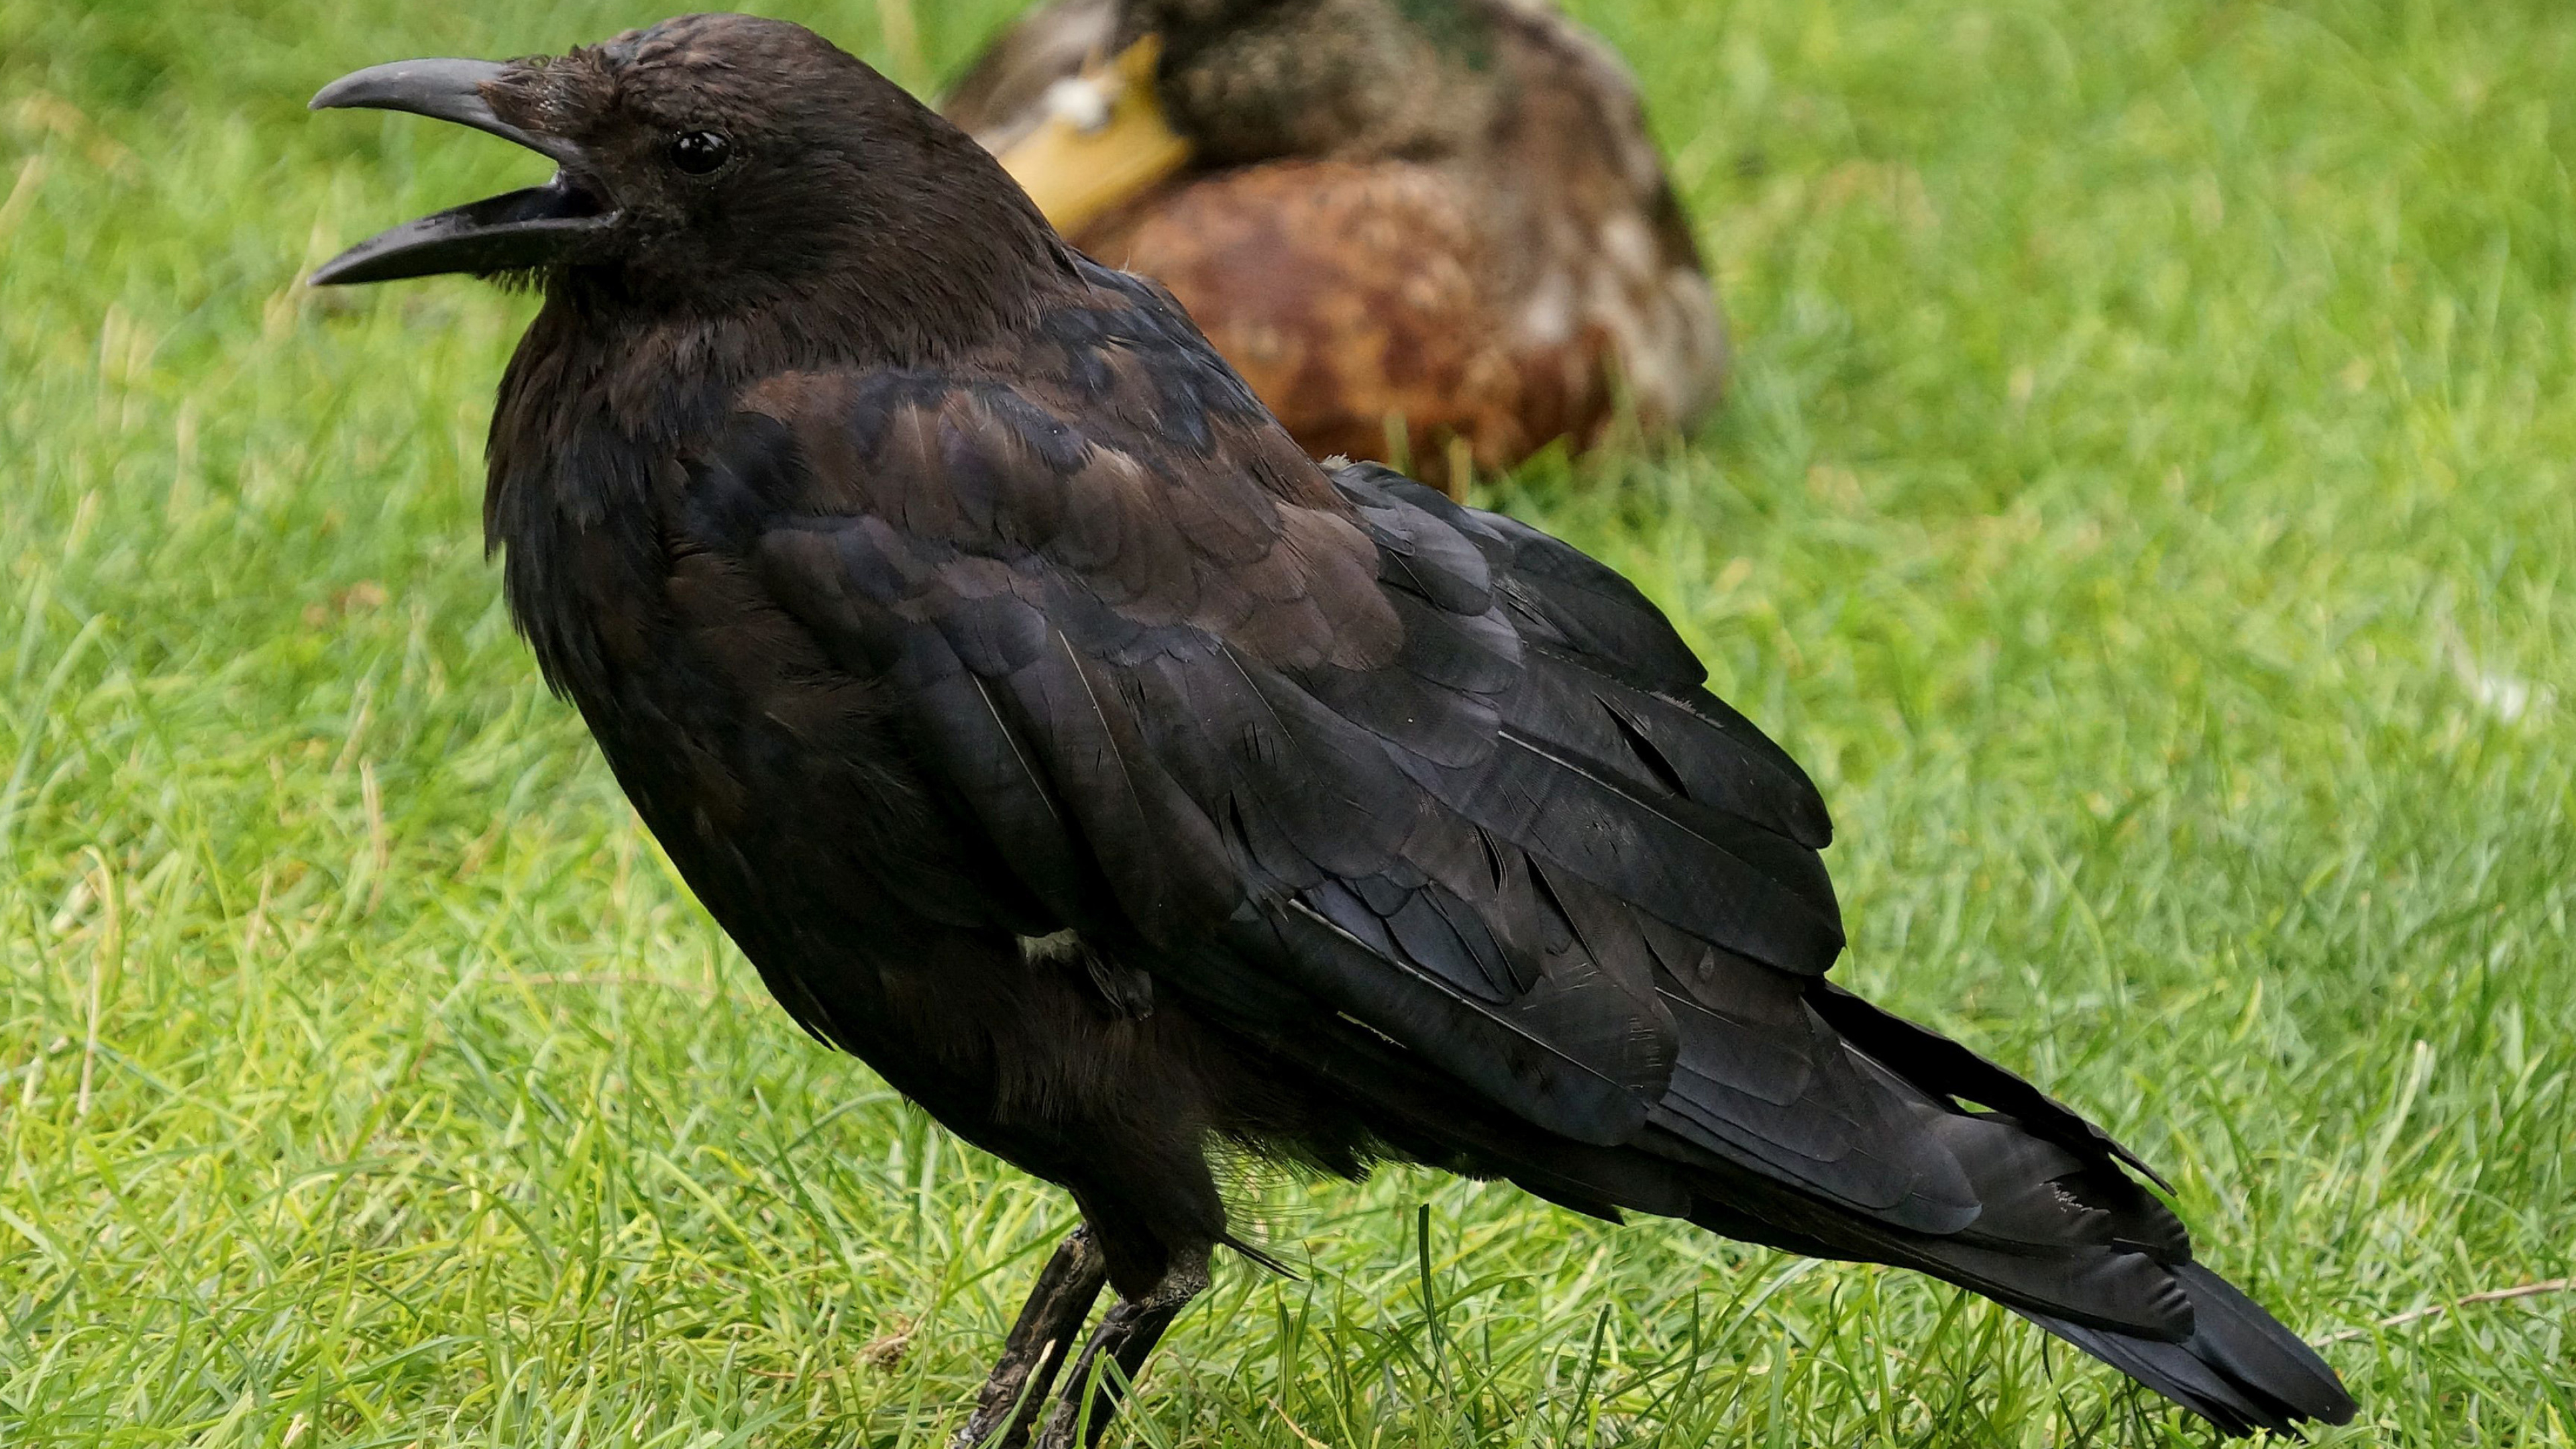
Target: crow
{"x": 1128, "y": 789}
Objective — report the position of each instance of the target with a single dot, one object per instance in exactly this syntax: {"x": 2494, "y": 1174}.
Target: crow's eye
{"x": 699, "y": 152}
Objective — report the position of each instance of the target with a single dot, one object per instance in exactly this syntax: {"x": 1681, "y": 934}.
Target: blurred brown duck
{"x": 1431, "y": 232}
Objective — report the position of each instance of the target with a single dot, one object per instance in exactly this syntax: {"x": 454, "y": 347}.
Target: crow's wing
{"x": 1325, "y": 751}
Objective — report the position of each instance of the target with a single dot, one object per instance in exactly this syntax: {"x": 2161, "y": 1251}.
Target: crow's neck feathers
{"x": 903, "y": 244}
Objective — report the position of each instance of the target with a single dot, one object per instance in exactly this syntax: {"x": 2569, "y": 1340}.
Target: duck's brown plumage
{"x": 1493, "y": 255}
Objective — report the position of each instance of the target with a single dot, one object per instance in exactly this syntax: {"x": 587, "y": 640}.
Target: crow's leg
{"x": 1127, "y": 1333}
{"x": 1010, "y": 1400}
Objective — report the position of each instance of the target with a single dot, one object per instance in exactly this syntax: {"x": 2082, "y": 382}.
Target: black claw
{"x": 1007, "y": 1406}
{"x": 1127, "y": 1335}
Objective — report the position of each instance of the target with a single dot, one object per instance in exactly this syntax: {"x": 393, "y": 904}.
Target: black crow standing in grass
{"x": 1124, "y": 787}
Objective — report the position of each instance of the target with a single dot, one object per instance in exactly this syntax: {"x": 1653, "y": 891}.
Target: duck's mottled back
{"x": 1425, "y": 228}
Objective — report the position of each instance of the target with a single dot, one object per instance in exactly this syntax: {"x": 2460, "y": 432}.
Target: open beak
{"x": 566, "y": 220}
{"x": 1104, "y": 141}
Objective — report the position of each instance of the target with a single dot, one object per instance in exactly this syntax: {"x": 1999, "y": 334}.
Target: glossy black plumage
{"x": 1122, "y": 785}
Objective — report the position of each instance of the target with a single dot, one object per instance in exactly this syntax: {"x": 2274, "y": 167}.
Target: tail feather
{"x": 2071, "y": 1242}
{"x": 2240, "y": 1368}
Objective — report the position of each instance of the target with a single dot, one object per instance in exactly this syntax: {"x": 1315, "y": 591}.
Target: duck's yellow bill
{"x": 1104, "y": 141}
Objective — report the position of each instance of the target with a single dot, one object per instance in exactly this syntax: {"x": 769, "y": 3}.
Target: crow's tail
{"x": 2240, "y": 1369}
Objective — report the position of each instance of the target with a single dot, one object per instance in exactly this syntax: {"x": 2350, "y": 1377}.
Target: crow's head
{"x": 710, "y": 161}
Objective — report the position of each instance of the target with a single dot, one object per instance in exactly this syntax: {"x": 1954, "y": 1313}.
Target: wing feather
{"x": 1364, "y": 756}
{"x": 1432, "y": 804}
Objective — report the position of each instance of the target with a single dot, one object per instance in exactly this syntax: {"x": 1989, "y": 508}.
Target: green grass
{"x": 2146, "y": 503}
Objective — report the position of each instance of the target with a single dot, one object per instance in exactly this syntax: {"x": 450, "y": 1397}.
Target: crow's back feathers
{"x": 1397, "y": 787}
